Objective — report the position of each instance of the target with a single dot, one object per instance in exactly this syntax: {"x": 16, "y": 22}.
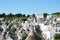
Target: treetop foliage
{"x": 57, "y": 36}
{"x": 23, "y": 15}
{"x": 57, "y": 14}
{"x": 45, "y": 15}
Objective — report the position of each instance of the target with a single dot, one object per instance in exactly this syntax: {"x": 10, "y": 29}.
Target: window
{"x": 58, "y": 25}
{"x": 59, "y": 30}
{"x": 27, "y": 29}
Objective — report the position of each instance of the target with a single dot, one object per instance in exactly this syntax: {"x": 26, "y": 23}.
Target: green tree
{"x": 24, "y": 18}
{"x": 3, "y": 15}
{"x": 23, "y": 15}
{"x": 24, "y": 37}
{"x": 45, "y": 15}
{"x": 10, "y": 15}
{"x": 0, "y": 15}
{"x": 28, "y": 16}
{"x": 57, "y": 36}
{"x": 56, "y": 14}
{"x": 18, "y": 15}
{"x": 33, "y": 15}
{"x": 12, "y": 30}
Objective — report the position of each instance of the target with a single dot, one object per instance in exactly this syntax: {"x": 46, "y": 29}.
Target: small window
{"x": 27, "y": 29}
{"x": 59, "y": 30}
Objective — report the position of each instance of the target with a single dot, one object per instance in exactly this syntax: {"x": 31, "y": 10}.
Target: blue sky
{"x": 29, "y": 6}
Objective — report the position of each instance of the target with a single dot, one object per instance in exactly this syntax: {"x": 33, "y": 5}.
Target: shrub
{"x": 56, "y": 36}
